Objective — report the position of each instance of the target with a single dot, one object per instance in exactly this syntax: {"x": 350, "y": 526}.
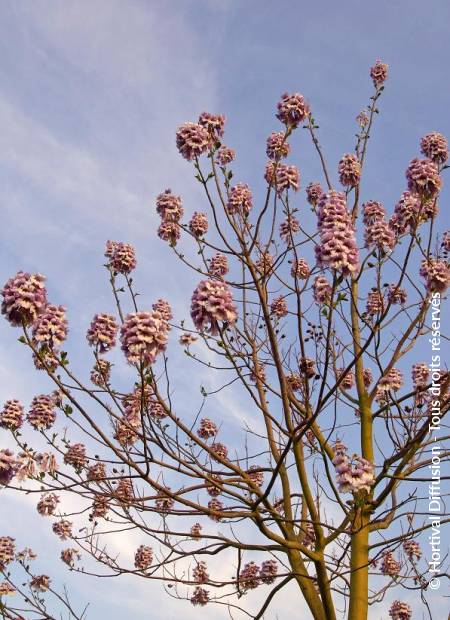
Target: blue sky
{"x": 90, "y": 96}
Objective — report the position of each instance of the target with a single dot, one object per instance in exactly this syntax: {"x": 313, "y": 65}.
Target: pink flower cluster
{"x": 252, "y": 575}
{"x": 282, "y": 176}
{"x": 218, "y": 265}
{"x": 7, "y": 550}
{"x": 225, "y": 155}
{"x": 11, "y": 416}
{"x": 213, "y": 123}
{"x": 200, "y": 573}
{"x": 198, "y": 224}
{"x": 322, "y": 290}
{"x": 379, "y": 73}
{"x": 122, "y": 256}
{"x": 211, "y": 304}
{"x": 50, "y": 328}
{"x": 240, "y": 200}
{"x": 300, "y": 269}
{"x": 192, "y": 140}
{"x": 337, "y": 248}
{"x": 436, "y": 274}
{"x": 313, "y": 193}
{"x": 143, "y": 557}
{"x": 200, "y": 596}
{"x": 353, "y": 475}
{"x": 349, "y": 170}
{"x": 292, "y": 109}
{"x": 102, "y": 332}
{"x": 412, "y": 549}
{"x": 42, "y": 414}
{"x": 277, "y": 146}
{"x": 169, "y": 208}
{"x": 278, "y": 307}
{"x": 76, "y": 456}
{"x": 143, "y": 336}
{"x": 400, "y": 611}
{"x": 8, "y": 466}
{"x": 423, "y": 178}
{"x": 435, "y": 146}
{"x": 207, "y": 429}
{"x": 24, "y": 298}
{"x": 288, "y": 228}
{"x": 389, "y": 565}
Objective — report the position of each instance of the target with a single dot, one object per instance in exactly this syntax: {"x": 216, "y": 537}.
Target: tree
{"x": 316, "y": 327}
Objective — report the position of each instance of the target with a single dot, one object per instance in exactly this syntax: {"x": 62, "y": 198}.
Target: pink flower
{"x": 393, "y": 380}
{"x": 400, "y": 611}
{"x": 282, "y": 177}
{"x": 169, "y": 231}
{"x": 389, "y": 565}
{"x": 207, "y": 429}
{"x": 219, "y": 450}
{"x": 7, "y": 550}
{"x": 143, "y": 558}
{"x": 123, "y": 258}
{"x": 373, "y": 211}
{"x": 218, "y": 265}
{"x": 349, "y": 170}
{"x": 264, "y": 264}
{"x": 375, "y": 303}
{"x": 76, "y": 456}
{"x": 396, "y": 295}
{"x": 288, "y": 228}
{"x": 198, "y": 224}
{"x": 225, "y": 155}
{"x": 8, "y": 466}
{"x": 379, "y": 235}
{"x": 423, "y": 178}
{"x": 348, "y": 381}
{"x": 69, "y": 556}
{"x": 435, "y": 147}
{"x": 196, "y": 530}
{"x": 187, "y": 339}
{"x": 42, "y": 413}
{"x": 313, "y": 193}
{"x": 379, "y": 73}
{"x": 268, "y": 571}
{"x": 322, "y": 290}
{"x": 337, "y": 248}
{"x": 100, "y": 507}
{"x": 249, "y": 577}
{"x": 277, "y": 146}
{"x": 215, "y": 506}
{"x": 412, "y": 549}
{"x": 41, "y": 583}
{"x": 300, "y": 269}
{"x": 200, "y": 596}
{"x": 363, "y": 118}
{"x": 24, "y": 298}
{"x": 46, "y": 506}
{"x": 11, "y": 416}
{"x": 367, "y": 377}
{"x": 240, "y": 200}
{"x": 163, "y": 307}
{"x": 143, "y": 336}
{"x": 445, "y": 244}
{"x": 256, "y": 475}
{"x": 101, "y": 373}
{"x": 278, "y": 307}
{"x": 292, "y": 109}
{"x": 213, "y": 123}
{"x": 420, "y": 374}
{"x": 192, "y": 140}
{"x": 169, "y": 206}
{"x": 200, "y": 573}
{"x": 102, "y": 332}
{"x": 164, "y": 503}
{"x": 63, "y": 529}
{"x": 6, "y": 589}
{"x": 96, "y": 472}
{"x": 436, "y": 274}
{"x": 51, "y": 326}
{"x": 211, "y": 304}
{"x": 124, "y": 492}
